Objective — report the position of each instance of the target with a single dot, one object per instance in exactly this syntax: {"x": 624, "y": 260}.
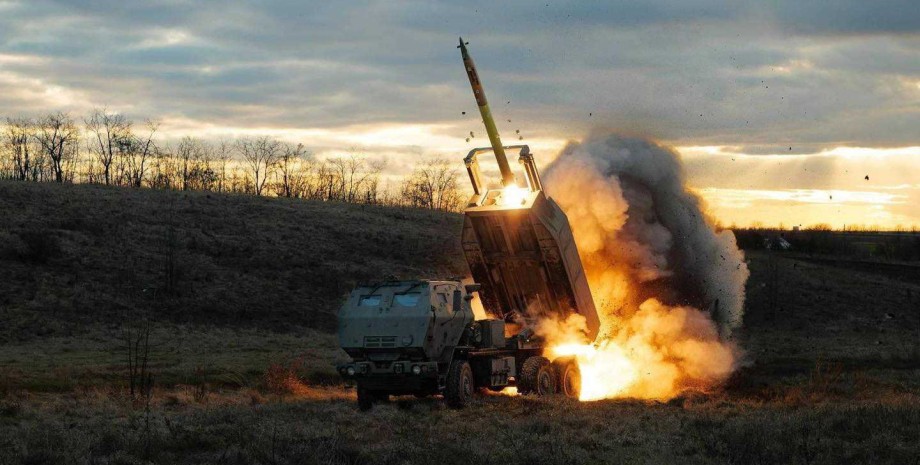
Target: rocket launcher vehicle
{"x": 516, "y": 240}
{"x": 421, "y": 337}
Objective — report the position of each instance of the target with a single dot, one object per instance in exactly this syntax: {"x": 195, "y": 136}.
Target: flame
{"x": 656, "y": 353}
{"x": 512, "y": 196}
{"x": 606, "y": 370}
{"x": 510, "y": 391}
{"x": 645, "y": 347}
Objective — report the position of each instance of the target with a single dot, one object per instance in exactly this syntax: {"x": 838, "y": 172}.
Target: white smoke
{"x": 635, "y": 219}
{"x": 668, "y": 286}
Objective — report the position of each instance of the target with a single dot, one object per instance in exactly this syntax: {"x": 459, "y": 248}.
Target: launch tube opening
{"x": 510, "y": 194}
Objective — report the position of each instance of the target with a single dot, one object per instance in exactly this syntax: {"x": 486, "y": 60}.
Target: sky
{"x": 779, "y": 108}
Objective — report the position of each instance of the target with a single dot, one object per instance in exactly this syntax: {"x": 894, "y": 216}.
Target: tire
{"x": 537, "y": 377}
{"x": 459, "y": 388}
{"x": 568, "y": 377}
{"x": 366, "y": 399}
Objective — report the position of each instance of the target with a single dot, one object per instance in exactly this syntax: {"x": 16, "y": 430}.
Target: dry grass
{"x": 831, "y": 374}
{"x": 72, "y": 255}
{"x": 323, "y": 426}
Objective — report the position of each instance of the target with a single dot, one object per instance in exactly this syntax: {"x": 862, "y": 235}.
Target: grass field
{"x": 242, "y": 352}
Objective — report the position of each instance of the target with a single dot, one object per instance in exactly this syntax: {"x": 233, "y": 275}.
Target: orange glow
{"x": 645, "y": 348}
{"x": 657, "y": 353}
{"x": 606, "y": 370}
{"x": 508, "y": 391}
{"x": 513, "y": 196}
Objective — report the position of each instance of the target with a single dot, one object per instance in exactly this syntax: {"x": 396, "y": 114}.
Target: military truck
{"x": 420, "y": 337}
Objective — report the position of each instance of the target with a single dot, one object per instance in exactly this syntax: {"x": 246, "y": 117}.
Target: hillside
{"x": 71, "y": 255}
{"x": 243, "y": 292}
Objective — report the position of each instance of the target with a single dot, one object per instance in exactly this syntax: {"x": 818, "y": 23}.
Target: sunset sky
{"x": 779, "y": 109}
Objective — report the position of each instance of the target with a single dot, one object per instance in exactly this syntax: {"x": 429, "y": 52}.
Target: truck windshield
{"x": 407, "y": 300}
{"x": 370, "y": 300}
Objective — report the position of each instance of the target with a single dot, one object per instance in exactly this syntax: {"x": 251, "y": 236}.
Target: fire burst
{"x": 606, "y": 371}
{"x": 644, "y": 241}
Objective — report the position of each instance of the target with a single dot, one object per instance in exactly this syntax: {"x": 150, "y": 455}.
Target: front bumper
{"x": 400, "y": 375}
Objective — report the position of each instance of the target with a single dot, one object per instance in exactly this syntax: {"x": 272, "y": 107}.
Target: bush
{"x": 282, "y": 378}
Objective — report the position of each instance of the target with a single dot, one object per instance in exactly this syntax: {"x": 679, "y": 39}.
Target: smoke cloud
{"x": 669, "y": 287}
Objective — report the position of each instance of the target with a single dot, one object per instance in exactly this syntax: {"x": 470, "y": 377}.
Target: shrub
{"x": 282, "y": 378}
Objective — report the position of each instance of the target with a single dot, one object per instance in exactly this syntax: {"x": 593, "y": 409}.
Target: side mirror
{"x": 471, "y": 288}
{"x": 457, "y": 300}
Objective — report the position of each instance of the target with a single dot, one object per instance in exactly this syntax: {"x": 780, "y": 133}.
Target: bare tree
{"x": 293, "y": 171}
{"x": 138, "y": 151}
{"x": 135, "y": 337}
{"x": 18, "y": 141}
{"x": 186, "y": 153}
{"x": 261, "y": 155}
{"x": 224, "y": 152}
{"x": 356, "y": 176}
{"x": 57, "y": 136}
{"x": 324, "y": 182}
{"x": 110, "y": 134}
{"x": 203, "y": 177}
{"x": 433, "y": 185}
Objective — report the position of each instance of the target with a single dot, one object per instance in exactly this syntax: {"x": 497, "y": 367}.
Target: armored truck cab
{"x": 401, "y": 334}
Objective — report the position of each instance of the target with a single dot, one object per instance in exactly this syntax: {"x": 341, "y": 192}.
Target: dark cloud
{"x": 692, "y": 72}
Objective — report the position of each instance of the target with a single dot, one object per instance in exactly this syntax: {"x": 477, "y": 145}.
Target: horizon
{"x": 778, "y": 114}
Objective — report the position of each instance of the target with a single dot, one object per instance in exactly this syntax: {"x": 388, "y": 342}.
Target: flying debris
{"x": 867, "y": 177}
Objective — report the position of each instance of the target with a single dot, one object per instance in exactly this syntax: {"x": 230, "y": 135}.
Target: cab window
{"x": 407, "y": 300}
{"x": 370, "y": 300}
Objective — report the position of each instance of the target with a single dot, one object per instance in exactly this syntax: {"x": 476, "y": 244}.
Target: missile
{"x": 491, "y": 130}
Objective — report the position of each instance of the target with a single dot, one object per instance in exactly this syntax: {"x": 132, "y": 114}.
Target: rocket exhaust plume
{"x": 668, "y": 286}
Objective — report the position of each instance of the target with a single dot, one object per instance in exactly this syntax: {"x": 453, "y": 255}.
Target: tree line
{"x": 109, "y": 148}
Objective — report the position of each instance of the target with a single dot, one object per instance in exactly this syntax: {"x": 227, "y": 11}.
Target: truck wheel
{"x": 537, "y": 377}
{"x": 366, "y": 399}
{"x": 459, "y": 384}
{"x": 568, "y": 377}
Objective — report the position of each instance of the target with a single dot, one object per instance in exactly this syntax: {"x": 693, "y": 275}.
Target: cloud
{"x": 695, "y": 72}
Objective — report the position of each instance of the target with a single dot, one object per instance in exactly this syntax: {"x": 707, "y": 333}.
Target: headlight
{"x": 416, "y": 369}
{"x": 350, "y": 371}
{"x": 407, "y": 340}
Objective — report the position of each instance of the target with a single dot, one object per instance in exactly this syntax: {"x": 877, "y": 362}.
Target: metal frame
{"x": 525, "y": 158}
